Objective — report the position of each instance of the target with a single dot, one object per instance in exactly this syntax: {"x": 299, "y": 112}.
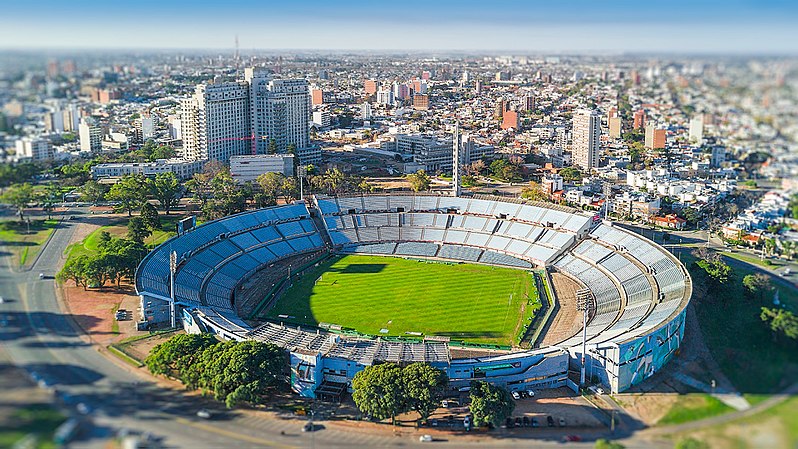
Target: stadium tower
{"x": 456, "y": 160}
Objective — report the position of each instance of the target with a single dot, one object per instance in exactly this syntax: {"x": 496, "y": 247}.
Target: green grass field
{"x": 469, "y": 302}
{"x": 23, "y": 244}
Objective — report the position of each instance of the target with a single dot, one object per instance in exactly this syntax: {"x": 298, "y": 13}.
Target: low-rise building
{"x": 249, "y": 167}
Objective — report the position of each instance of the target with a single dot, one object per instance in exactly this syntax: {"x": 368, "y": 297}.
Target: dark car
{"x": 550, "y": 421}
{"x": 526, "y": 421}
{"x": 534, "y": 422}
{"x": 509, "y": 423}
{"x": 518, "y": 422}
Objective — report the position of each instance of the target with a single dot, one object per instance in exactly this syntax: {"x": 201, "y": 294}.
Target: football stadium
{"x": 524, "y": 295}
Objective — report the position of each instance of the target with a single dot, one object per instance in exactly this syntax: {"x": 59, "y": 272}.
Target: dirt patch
{"x": 649, "y": 407}
{"x": 567, "y": 321}
{"x": 93, "y": 310}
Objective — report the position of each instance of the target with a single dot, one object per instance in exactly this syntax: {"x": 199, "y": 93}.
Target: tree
{"x": 162, "y": 152}
{"x": 150, "y": 216}
{"x": 378, "y": 391}
{"x": 788, "y": 249}
{"x": 490, "y": 404}
{"x": 137, "y": 229}
{"x": 423, "y": 387}
{"x": 74, "y": 269}
{"x": 533, "y": 192}
{"x": 130, "y": 192}
{"x": 246, "y": 370}
{"x": 228, "y": 197}
{"x": 175, "y": 355}
{"x": 19, "y": 196}
{"x": 717, "y": 270}
{"x": 419, "y": 181}
{"x": 271, "y": 186}
{"x": 571, "y": 174}
{"x": 51, "y": 197}
{"x": 165, "y": 189}
{"x": 365, "y": 186}
{"x": 757, "y": 284}
{"x": 272, "y": 147}
{"x": 690, "y": 443}
{"x": 601, "y": 443}
{"x": 770, "y": 246}
{"x": 781, "y": 322}
{"x": 92, "y": 191}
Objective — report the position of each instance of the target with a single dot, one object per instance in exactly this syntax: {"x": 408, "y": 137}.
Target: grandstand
{"x": 638, "y": 291}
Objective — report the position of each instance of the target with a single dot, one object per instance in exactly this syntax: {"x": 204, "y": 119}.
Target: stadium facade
{"x": 637, "y": 291}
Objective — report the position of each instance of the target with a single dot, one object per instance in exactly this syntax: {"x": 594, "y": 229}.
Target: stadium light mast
{"x": 583, "y": 299}
{"x": 456, "y": 160}
{"x": 172, "y": 270}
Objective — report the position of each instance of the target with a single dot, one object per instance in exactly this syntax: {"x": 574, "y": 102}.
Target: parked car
{"x": 550, "y": 421}
{"x": 534, "y": 422}
{"x": 425, "y": 439}
{"x": 562, "y": 422}
{"x": 509, "y": 423}
{"x": 308, "y": 427}
{"x": 516, "y": 396}
{"x": 204, "y": 414}
{"x": 530, "y": 393}
{"x": 518, "y": 422}
{"x": 525, "y": 420}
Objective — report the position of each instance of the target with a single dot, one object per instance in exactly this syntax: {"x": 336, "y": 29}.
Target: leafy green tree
{"x": 137, "y": 229}
{"x": 162, "y": 152}
{"x": 272, "y": 147}
{"x": 690, "y": 443}
{"x": 74, "y": 269}
{"x": 365, "y": 186}
{"x": 533, "y": 192}
{"x": 378, "y": 391}
{"x": 228, "y": 197}
{"x": 51, "y": 197}
{"x": 490, "y": 404}
{"x": 130, "y": 192}
{"x": 423, "y": 388}
{"x": 165, "y": 189}
{"x": 571, "y": 174}
{"x": 601, "y": 443}
{"x": 19, "y": 196}
{"x": 717, "y": 270}
{"x": 271, "y": 185}
{"x": 757, "y": 284}
{"x": 251, "y": 367}
{"x": 176, "y": 355}
{"x": 782, "y": 323}
{"x": 419, "y": 181}
{"x": 150, "y": 216}
{"x": 93, "y": 191}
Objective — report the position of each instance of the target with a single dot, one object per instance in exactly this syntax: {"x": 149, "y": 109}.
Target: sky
{"x": 554, "y": 26}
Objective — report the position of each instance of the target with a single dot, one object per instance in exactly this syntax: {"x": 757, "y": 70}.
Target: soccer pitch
{"x": 469, "y": 302}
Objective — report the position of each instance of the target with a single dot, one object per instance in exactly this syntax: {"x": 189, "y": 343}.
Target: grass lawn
{"x": 40, "y": 420}
{"x": 90, "y": 245}
{"x": 692, "y": 407}
{"x": 469, "y": 302}
{"x": 25, "y": 246}
{"x": 738, "y": 339}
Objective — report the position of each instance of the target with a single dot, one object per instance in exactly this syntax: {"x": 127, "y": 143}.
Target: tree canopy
{"x": 419, "y": 181}
{"x": 130, "y": 192}
{"x": 165, "y": 189}
{"x": 490, "y": 404}
{"x": 782, "y": 323}
{"x": 19, "y": 196}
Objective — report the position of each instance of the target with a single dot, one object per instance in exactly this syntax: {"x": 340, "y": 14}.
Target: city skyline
{"x": 581, "y": 26}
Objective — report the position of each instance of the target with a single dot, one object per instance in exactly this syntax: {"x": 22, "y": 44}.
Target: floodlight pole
{"x": 172, "y": 270}
{"x": 583, "y": 303}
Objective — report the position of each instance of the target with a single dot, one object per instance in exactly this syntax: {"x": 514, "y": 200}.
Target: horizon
{"x": 736, "y": 27}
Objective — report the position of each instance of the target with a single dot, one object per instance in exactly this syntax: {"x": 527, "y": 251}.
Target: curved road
{"x": 40, "y": 338}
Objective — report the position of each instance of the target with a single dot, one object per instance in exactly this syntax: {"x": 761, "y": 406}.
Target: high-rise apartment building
{"x": 253, "y": 116}
{"x": 371, "y": 87}
{"x": 216, "y": 122}
{"x": 697, "y": 129}
{"x": 91, "y": 136}
{"x": 655, "y": 138}
{"x": 585, "y": 137}
{"x": 639, "y": 119}
{"x": 614, "y": 124}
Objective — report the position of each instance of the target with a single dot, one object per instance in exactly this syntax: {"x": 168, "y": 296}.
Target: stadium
{"x": 527, "y": 296}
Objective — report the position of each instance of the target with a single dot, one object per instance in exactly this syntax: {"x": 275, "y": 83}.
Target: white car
{"x": 515, "y": 394}
{"x": 425, "y": 439}
{"x": 204, "y": 414}
{"x": 530, "y": 393}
